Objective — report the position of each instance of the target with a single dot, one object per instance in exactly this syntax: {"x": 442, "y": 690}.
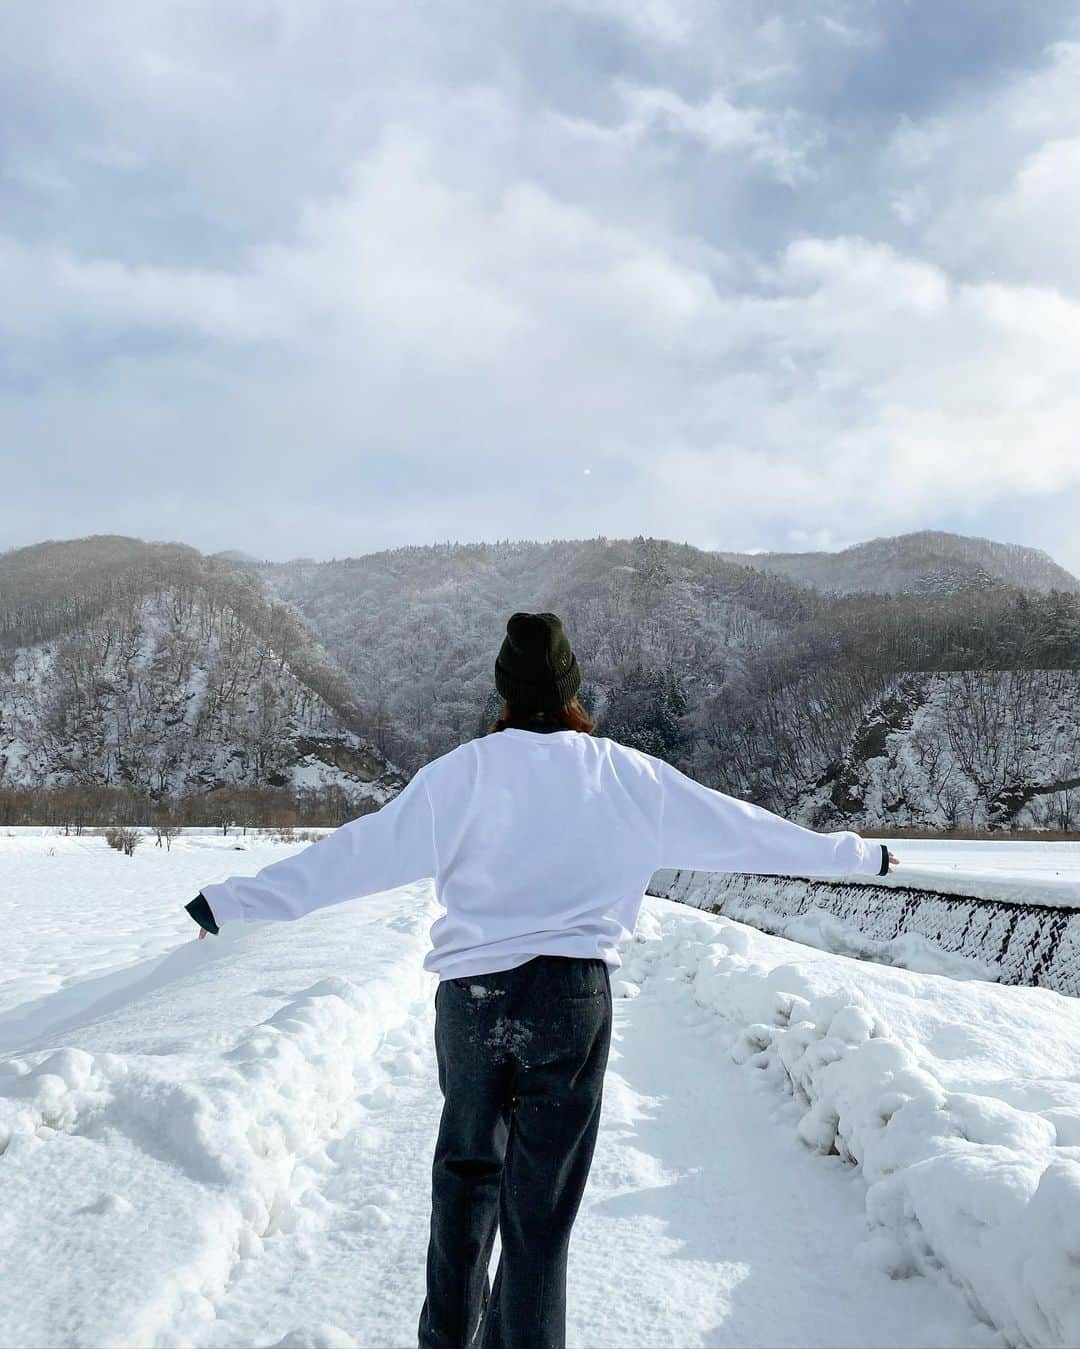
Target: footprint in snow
{"x": 405, "y": 1065}
{"x": 378, "y": 1099}
{"x": 316, "y": 1337}
{"x": 108, "y": 1203}
{"x": 383, "y": 1194}
{"x": 373, "y": 1218}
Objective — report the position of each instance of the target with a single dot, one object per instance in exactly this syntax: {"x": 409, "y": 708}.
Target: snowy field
{"x": 228, "y": 1142}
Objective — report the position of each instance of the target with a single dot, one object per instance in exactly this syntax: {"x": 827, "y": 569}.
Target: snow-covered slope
{"x": 930, "y": 562}
{"x": 228, "y": 1142}
{"x": 982, "y": 747}
{"x": 737, "y": 675}
{"x": 1006, "y": 870}
{"x": 155, "y": 669}
{"x": 422, "y": 626}
{"x": 173, "y": 688}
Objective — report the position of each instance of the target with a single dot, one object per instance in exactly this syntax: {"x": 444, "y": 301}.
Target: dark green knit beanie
{"x": 535, "y": 669}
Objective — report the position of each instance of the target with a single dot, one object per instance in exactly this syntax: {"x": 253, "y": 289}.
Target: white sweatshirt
{"x": 539, "y": 843}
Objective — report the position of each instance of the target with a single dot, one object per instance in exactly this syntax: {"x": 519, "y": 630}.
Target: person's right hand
{"x": 202, "y": 931}
{"x": 894, "y": 861}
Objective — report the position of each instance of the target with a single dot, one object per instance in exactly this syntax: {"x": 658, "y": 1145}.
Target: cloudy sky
{"x": 310, "y": 278}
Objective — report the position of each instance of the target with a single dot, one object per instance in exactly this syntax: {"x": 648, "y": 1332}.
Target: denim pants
{"x": 521, "y": 1057}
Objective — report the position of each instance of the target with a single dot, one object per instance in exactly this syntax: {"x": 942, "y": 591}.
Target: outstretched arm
{"x": 703, "y": 829}
{"x": 390, "y": 847}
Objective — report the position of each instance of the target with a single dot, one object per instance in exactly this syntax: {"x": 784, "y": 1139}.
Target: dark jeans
{"x": 521, "y": 1057}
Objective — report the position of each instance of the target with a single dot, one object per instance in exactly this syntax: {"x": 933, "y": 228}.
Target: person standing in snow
{"x": 540, "y": 837}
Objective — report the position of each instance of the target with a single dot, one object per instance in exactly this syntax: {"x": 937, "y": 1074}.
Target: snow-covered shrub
{"x": 123, "y": 840}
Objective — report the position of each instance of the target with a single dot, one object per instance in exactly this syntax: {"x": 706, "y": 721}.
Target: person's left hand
{"x": 202, "y": 932}
{"x": 894, "y": 861}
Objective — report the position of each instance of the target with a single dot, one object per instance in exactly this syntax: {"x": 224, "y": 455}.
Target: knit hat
{"x": 535, "y": 669}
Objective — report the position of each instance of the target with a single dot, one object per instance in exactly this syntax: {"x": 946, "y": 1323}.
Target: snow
{"x": 958, "y": 1102}
{"x": 72, "y": 907}
{"x": 1026, "y": 872}
{"x": 1029, "y": 871}
{"x": 227, "y": 711}
{"x": 228, "y": 1142}
{"x": 908, "y": 951}
{"x": 959, "y": 747}
{"x": 921, "y": 927}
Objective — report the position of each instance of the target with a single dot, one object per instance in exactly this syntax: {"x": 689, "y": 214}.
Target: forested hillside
{"x": 746, "y": 679}
{"x": 927, "y": 563}
{"x": 153, "y": 671}
{"x": 982, "y": 747}
{"x": 418, "y": 628}
{"x": 157, "y": 674}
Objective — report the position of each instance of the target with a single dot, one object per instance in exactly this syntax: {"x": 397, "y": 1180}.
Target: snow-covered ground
{"x": 228, "y": 1142}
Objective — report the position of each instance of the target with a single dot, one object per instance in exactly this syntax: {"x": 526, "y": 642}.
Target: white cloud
{"x": 484, "y": 275}
{"x": 777, "y": 140}
{"x": 988, "y": 185}
{"x": 668, "y": 21}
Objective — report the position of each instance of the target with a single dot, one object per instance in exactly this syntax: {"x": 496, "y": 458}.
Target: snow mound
{"x": 908, "y": 951}
{"x": 955, "y": 1179}
{"x": 971, "y": 1183}
{"x": 223, "y": 1132}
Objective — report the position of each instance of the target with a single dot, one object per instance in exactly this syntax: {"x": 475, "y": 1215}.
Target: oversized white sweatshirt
{"x": 539, "y": 843}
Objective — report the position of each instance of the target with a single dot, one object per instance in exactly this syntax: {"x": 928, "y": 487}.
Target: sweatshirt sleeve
{"x": 388, "y": 848}
{"x": 705, "y": 830}
{"x": 203, "y": 914}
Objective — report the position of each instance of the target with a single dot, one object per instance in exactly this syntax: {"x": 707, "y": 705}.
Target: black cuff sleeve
{"x": 201, "y": 912}
{"x": 884, "y": 862}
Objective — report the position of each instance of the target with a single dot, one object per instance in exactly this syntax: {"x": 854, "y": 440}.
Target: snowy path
{"x": 229, "y": 1143}
{"x": 719, "y": 1226}
{"x": 704, "y": 1223}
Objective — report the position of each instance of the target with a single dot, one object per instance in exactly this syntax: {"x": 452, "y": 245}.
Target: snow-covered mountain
{"x": 929, "y": 562}
{"x": 153, "y": 667}
{"x": 418, "y": 628}
{"x": 156, "y": 670}
{"x": 748, "y": 680}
